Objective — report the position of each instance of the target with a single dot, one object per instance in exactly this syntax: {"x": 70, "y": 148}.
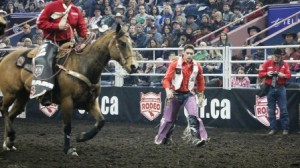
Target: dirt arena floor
{"x": 124, "y": 145}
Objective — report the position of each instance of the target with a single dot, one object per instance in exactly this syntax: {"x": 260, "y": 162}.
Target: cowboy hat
{"x": 253, "y": 27}
{"x": 103, "y": 28}
{"x": 193, "y": 15}
{"x": 277, "y": 52}
{"x": 289, "y": 33}
{"x": 3, "y": 12}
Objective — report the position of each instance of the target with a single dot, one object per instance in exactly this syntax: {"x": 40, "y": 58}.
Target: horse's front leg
{"x": 66, "y": 110}
{"x": 95, "y": 111}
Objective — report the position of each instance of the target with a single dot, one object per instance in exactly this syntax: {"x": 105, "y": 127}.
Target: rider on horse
{"x": 57, "y": 21}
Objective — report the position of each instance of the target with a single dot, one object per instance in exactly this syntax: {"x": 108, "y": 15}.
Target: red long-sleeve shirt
{"x": 187, "y": 70}
{"x": 50, "y": 26}
{"x": 271, "y": 66}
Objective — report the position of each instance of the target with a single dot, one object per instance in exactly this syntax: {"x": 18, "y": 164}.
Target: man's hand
{"x": 169, "y": 93}
{"x": 62, "y": 26}
{"x": 281, "y": 75}
{"x": 270, "y": 73}
{"x": 201, "y": 98}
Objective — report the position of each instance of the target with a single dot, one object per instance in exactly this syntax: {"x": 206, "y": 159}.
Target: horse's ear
{"x": 118, "y": 28}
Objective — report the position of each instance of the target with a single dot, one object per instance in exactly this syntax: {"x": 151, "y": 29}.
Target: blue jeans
{"x": 278, "y": 95}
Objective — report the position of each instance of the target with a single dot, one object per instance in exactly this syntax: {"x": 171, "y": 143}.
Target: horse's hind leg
{"x": 9, "y": 133}
{"x": 17, "y": 108}
{"x": 94, "y": 110}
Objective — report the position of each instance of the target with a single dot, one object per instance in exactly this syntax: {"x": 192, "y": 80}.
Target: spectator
{"x": 214, "y": 5}
{"x": 95, "y": 20}
{"x": 118, "y": 20}
{"x": 237, "y": 12}
{"x": 253, "y": 30}
{"x": 251, "y": 68}
{"x": 227, "y": 13}
{"x": 176, "y": 32}
{"x": 247, "y": 6}
{"x": 291, "y": 54}
{"x": 38, "y": 33}
{"x": 41, "y": 6}
{"x": 160, "y": 68}
{"x": 218, "y": 21}
{"x": 108, "y": 80}
{"x": 20, "y": 8}
{"x": 10, "y": 8}
{"x": 140, "y": 38}
{"x": 240, "y": 81}
{"x": 144, "y": 80}
{"x": 130, "y": 13}
{"x": 190, "y": 35}
{"x": 26, "y": 32}
{"x": 154, "y": 11}
{"x": 152, "y": 55}
{"x": 257, "y": 14}
{"x": 108, "y": 18}
{"x": 150, "y": 22}
{"x": 201, "y": 54}
{"x": 191, "y": 21}
{"x": 142, "y": 13}
{"x": 223, "y": 40}
{"x": 205, "y": 21}
{"x": 167, "y": 22}
{"x": 167, "y": 31}
{"x": 289, "y": 38}
{"x": 154, "y": 34}
{"x": 166, "y": 13}
{"x": 259, "y": 54}
{"x": 237, "y": 22}
{"x": 28, "y": 43}
{"x": 31, "y": 8}
{"x": 178, "y": 12}
{"x": 120, "y": 9}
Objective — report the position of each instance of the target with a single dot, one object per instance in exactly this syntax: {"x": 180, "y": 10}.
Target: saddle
{"x": 25, "y": 59}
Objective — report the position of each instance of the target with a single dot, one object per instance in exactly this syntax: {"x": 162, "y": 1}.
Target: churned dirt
{"x": 129, "y": 145}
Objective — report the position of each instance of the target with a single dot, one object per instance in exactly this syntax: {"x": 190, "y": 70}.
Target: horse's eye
{"x": 122, "y": 44}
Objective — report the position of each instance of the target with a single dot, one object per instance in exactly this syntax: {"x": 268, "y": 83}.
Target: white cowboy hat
{"x": 103, "y": 28}
{"x": 94, "y": 27}
{"x": 2, "y": 11}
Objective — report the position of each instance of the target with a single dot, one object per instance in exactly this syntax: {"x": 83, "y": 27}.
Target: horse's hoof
{"x": 72, "y": 152}
{"x": 80, "y": 137}
{"x": 8, "y": 147}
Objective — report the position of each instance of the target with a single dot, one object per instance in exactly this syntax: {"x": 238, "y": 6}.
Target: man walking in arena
{"x": 57, "y": 20}
{"x": 179, "y": 82}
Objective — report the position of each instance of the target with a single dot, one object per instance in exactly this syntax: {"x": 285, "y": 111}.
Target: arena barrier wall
{"x": 236, "y": 108}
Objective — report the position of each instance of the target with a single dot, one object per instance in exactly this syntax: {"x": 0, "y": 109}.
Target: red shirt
{"x": 187, "y": 70}
{"x": 50, "y": 26}
{"x": 270, "y": 65}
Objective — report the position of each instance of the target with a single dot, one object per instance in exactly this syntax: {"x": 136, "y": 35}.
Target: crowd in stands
{"x": 166, "y": 23}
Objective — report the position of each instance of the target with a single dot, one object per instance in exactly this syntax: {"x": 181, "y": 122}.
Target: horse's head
{"x": 2, "y": 25}
{"x": 120, "y": 49}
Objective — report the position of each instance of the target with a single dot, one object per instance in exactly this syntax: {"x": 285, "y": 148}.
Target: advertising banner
{"x": 277, "y": 13}
{"x": 236, "y": 108}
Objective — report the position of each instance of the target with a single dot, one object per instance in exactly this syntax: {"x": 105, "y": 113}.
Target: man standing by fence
{"x": 179, "y": 82}
{"x": 276, "y": 73}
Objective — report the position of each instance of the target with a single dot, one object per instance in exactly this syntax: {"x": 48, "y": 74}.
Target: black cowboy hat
{"x": 277, "y": 52}
{"x": 289, "y": 33}
{"x": 191, "y": 14}
{"x": 253, "y": 27}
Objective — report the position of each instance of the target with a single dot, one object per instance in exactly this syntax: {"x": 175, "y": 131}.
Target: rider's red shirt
{"x": 50, "y": 26}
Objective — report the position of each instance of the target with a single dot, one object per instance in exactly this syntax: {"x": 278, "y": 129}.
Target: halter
{"x": 123, "y": 59}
